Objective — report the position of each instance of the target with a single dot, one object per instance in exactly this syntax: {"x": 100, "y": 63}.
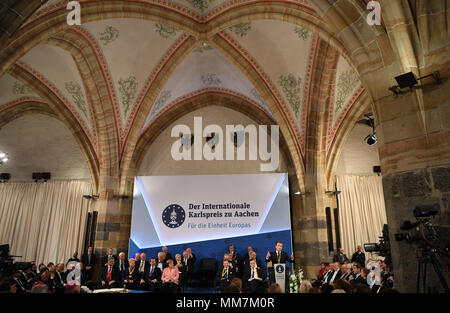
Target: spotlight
{"x": 371, "y": 139}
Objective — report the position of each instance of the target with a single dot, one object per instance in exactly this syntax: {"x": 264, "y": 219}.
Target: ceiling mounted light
{"x": 3, "y": 157}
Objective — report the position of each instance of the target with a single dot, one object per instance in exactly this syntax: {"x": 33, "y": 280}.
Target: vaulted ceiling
{"x": 135, "y": 61}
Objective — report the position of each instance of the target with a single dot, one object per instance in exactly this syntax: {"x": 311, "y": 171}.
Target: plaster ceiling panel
{"x": 345, "y": 89}
{"x": 283, "y": 51}
{"x": 132, "y": 49}
{"x": 204, "y": 68}
{"x": 59, "y": 68}
{"x": 13, "y": 90}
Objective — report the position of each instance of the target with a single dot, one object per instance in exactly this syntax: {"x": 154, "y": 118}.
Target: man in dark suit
{"x": 161, "y": 262}
{"x": 110, "y": 277}
{"x": 340, "y": 256}
{"x": 73, "y": 259}
{"x": 357, "y": 278}
{"x": 109, "y": 255}
{"x": 253, "y": 278}
{"x": 143, "y": 264}
{"x": 122, "y": 263}
{"x": 224, "y": 276}
{"x": 60, "y": 278}
{"x": 246, "y": 258}
{"x": 188, "y": 268}
{"x": 279, "y": 257}
{"x": 151, "y": 280}
{"x": 18, "y": 280}
{"x": 130, "y": 276}
{"x": 334, "y": 274}
{"x": 168, "y": 256}
{"x": 254, "y": 257}
{"x": 88, "y": 260}
{"x": 359, "y": 256}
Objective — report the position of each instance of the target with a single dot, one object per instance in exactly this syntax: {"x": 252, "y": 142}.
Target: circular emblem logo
{"x": 173, "y": 216}
{"x": 279, "y": 269}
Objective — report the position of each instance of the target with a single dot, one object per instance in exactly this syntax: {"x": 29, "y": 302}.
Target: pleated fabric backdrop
{"x": 362, "y": 212}
{"x": 44, "y": 221}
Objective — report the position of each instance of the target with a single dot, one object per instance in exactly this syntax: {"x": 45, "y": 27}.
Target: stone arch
{"x": 198, "y": 100}
{"x": 28, "y": 106}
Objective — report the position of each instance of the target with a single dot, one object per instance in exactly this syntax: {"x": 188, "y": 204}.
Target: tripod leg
{"x": 438, "y": 272}
{"x": 425, "y": 276}
{"x": 418, "y": 276}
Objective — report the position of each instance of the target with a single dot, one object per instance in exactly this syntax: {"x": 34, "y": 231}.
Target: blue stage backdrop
{"x": 207, "y": 213}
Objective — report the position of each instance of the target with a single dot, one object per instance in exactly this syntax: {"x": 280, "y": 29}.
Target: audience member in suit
{"x": 234, "y": 258}
{"x": 357, "y": 278}
{"x": 73, "y": 259}
{"x": 18, "y": 280}
{"x": 191, "y": 255}
{"x": 108, "y": 256}
{"x": 224, "y": 276}
{"x": 189, "y": 268}
{"x": 246, "y": 258}
{"x": 60, "y": 278}
{"x": 167, "y": 254}
{"x": 181, "y": 270}
{"x": 258, "y": 262}
{"x": 161, "y": 263}
{"x": 170, "y": 278}
{"x": 88, "y": 260}
{"x": 340, "y": 256}
{"x": 130, "y": 277}
{"x": 143, "y": 264}
{"x": 29, "y": 276}
{"x": 335, "y": 274}
{"x": 122, "y": 263}
{"x": 253, "y": 278}
{"x": 359, "y": 256}
{"x": 346, "y": 270}
{"x": 151, "y": 280}
{"x": 110, "y": 277}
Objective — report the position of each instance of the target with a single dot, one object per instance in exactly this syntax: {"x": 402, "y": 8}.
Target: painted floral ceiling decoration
{"x": 132, "y": 51}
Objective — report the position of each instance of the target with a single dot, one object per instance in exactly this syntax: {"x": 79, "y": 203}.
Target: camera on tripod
{"x": 425, "y": 235}
{"x": 422, "y": 230}
{"x": 383, "y": 248}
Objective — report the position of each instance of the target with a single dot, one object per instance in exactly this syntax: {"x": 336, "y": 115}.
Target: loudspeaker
{"x": 406, "y": 80}
{"x": 5, "y": 176}
{"x": 46, "y": 176}
{"x": 36, "y": 176}
{"x": 377, "y": 169}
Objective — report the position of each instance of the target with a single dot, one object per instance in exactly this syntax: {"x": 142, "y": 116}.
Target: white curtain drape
{"x": 43, "y": 221}
{"x": 362, "y": 212}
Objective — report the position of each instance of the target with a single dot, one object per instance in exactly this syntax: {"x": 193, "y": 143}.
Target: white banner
{"x": 171, "y": 210}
